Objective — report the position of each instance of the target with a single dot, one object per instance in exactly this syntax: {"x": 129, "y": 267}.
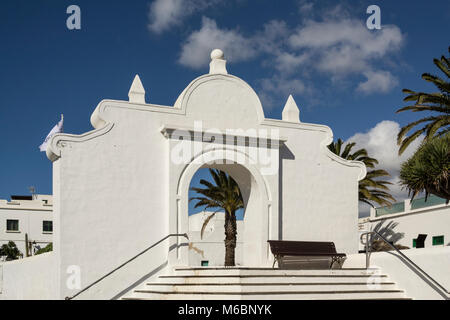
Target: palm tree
{"x": 438, "y": 103}
{"x": 224, "y": 195}
{"x": 370, "y": 189}
{"x": 429, "y": 169}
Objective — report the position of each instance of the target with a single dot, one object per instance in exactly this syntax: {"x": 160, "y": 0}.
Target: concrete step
{"x": 244, "y": 279}
{"x": 265, "y": 287}
{"x": 284, "y": 295}
{"x": 244, "y": 283}
{"x": 269, "y": 271}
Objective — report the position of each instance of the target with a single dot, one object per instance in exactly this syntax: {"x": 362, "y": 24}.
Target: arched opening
{"x": 254, "y": 232}
{"x": 207, "y": 225}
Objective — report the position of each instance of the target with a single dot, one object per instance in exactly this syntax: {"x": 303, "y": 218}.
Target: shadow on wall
{"x": 285, "y": 154}
{"x": 386, "y": 231}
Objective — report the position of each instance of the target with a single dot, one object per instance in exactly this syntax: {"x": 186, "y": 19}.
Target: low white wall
{"x": 213, "y": 252}
{"x": 124, "y": 280}
{"x": 33, "y": 278}
{"x": 434, "y": 261}
{"x": 211, "y": 246}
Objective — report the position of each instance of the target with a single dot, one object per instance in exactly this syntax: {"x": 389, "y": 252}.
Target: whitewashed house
{"x": 27, "y": 215}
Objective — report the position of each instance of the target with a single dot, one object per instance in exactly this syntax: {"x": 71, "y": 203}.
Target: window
{"x": 414, "y": 243}
{"x": 12, "y": 225}
{"x": 438, "y": 240}
{"x": 205, "y": 263}
{"x": 47, "y": 226}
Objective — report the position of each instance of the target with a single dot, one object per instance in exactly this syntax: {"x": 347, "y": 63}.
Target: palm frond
{"x": 377, "y": 192}
{"x": 435, "y": 102}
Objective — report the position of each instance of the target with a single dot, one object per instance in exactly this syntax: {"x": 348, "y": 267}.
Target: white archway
{"x": 255, "y": 191}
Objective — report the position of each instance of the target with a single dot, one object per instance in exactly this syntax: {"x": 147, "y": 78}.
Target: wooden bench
{"x": 287, "y": 253}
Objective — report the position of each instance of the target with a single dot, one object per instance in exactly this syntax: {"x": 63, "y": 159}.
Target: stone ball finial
{"x": 217, "y": 54}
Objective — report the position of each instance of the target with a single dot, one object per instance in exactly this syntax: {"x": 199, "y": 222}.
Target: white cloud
{"x": 332, "y": 45}
{"x": 236, "y": 46}
{"x": 381, "y": 144}
{"x": 165, "y": 14}
{"x": 377, "y": 81}
{"x": 289, "y": 62}
{"x": 345, "y": 46}
{"x": 195, "y": 51}
{"x": 271, "y": 38}
{"x": 305, "y": 7}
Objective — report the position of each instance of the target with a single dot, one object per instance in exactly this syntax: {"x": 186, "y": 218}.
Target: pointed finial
{"x": 291, "y": 112}
{"x": 218, "y": 64}
{"x": 137, "y": 91}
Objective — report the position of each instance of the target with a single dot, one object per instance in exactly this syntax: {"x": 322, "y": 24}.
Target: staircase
{"x": 240, "y": 283}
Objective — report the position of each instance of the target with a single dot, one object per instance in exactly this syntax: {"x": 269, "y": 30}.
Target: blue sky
{"x": 340, "y": 73}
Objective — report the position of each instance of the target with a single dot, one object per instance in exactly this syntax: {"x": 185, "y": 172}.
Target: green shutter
{"x": 414, "y": 243}
{"x": 438, "y": 240}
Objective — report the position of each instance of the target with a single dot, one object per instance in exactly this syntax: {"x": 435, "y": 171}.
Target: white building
{"x": 209, "y": 250}
{"x": 404, "y": 221}
{"x": 27, "y": 215}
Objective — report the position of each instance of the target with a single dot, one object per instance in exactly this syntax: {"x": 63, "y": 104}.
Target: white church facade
{"x": 124, "y": 185}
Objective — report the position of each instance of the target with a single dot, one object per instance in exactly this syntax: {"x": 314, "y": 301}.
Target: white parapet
{"x": 291, "y": 111}
{"x": 137, "y": 91}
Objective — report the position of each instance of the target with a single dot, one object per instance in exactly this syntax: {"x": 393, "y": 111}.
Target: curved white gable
{"x": 223, "y": 97}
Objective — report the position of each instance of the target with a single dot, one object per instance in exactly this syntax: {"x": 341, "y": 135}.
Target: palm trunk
{"x": 230, "y": 238}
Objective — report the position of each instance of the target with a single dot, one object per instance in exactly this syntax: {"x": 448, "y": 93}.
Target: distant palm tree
{"x": 437, "y": 102}
{"x": 224, "y": 194}
{"x": 370, "y": 190}
{"x": 428, "y": 169}
{"x": 346, "y": 153}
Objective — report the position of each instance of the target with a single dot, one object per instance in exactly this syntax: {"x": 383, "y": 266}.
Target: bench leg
{"x": 277, "y": 259}
{"x": 333, "y": 260}
{"x": 336, "y": 259}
